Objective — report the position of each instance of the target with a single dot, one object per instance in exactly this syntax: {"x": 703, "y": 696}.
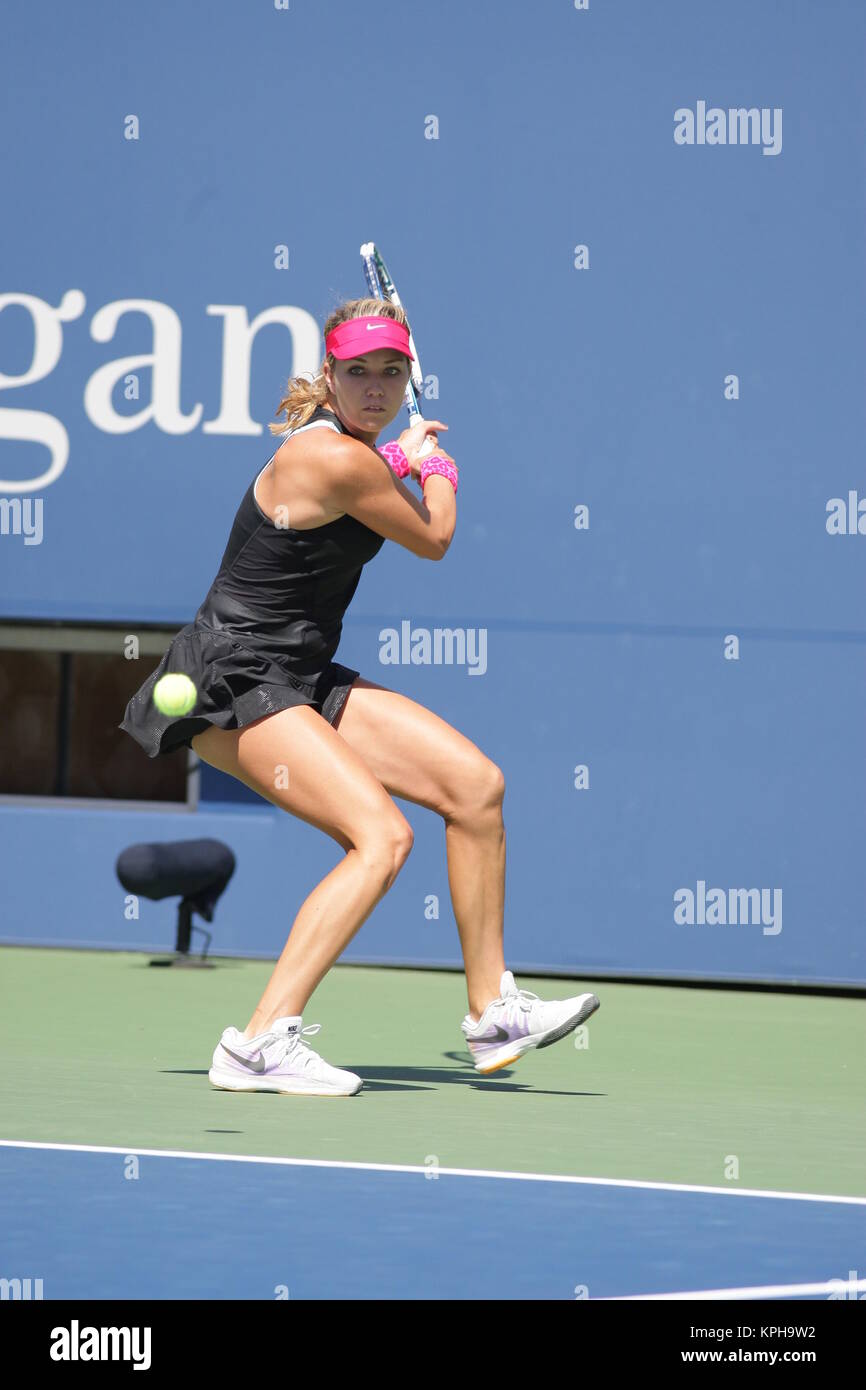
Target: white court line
{"x": 426, "y": 1169}
{"x": 840, "y": 1287}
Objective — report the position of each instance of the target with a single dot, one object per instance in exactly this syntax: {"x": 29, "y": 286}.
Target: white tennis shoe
{"x": 278, "y": 1060}
{"x": 518, "y": 1021}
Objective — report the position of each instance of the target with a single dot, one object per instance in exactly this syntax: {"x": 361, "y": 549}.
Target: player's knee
{"x": 493, "y": 783}
{"x": 388, "y": 850}
{"x": 401, "y": 842}
{"x": 482, "y": 791}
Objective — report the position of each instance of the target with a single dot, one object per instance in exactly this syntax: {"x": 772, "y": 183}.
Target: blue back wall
{"x": 642, "y": 317}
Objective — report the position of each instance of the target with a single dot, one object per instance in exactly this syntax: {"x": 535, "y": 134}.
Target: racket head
{"x": 390, "y": 290}
{"x": 381, "y": 286}
{"x": 370, "y": 272}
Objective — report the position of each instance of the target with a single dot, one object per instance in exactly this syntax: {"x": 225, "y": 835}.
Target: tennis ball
{"x": 174, "y": 694}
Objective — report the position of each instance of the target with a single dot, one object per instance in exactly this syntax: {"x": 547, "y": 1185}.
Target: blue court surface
{"x": 200, "y": 1227}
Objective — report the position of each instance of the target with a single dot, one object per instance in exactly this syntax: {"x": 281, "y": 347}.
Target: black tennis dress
{"x": 264, "y": 637}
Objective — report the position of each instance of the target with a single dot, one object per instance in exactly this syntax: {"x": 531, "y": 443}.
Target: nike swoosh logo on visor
{"x": 251, "y": 1063}
{"x": 500, "y": 1035}
{"x": 371, "y": 327}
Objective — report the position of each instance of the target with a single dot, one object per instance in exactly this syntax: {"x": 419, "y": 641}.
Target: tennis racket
{"x": 381, "y": 286}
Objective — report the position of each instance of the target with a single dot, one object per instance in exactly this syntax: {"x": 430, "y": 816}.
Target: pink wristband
{"x": 436, "y": 464}
{"x": 397, "y": 460}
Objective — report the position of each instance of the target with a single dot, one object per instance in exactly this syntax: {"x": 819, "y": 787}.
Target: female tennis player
{"x": 270, "y": 696}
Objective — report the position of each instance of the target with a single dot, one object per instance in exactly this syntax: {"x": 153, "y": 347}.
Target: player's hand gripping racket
{"x": 381, "y": 286}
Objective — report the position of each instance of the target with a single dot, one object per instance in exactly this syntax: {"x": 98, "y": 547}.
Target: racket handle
{"x": 428, "y": 446}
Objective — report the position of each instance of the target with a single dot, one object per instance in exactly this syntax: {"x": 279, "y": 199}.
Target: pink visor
{"x": 358, "y": 336}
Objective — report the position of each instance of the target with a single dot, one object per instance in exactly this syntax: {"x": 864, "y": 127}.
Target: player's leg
{"x": 416, "y": 755}
{"x": 331, "y": 787}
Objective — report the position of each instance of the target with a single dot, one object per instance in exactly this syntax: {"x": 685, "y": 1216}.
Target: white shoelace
{"x": 294, "y": 1040}
{"x": 524, "y": 999}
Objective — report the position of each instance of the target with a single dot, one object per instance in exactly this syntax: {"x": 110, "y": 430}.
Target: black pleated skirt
{"x": 235, "y": 685}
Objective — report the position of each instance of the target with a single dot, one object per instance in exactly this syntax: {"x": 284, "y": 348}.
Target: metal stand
{"x": 182, "y": 957}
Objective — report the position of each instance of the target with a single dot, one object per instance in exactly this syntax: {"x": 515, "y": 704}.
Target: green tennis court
{"x": 733, "y": 1109}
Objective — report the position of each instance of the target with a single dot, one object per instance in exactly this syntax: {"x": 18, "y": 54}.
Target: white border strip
{"x": 423, "y": 1168}
{"x": 839, "y": 1287}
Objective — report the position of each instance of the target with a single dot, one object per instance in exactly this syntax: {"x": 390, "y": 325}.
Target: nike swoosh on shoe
{"x": 251, "y": 1063}
{"x": 499, "y": 1035}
